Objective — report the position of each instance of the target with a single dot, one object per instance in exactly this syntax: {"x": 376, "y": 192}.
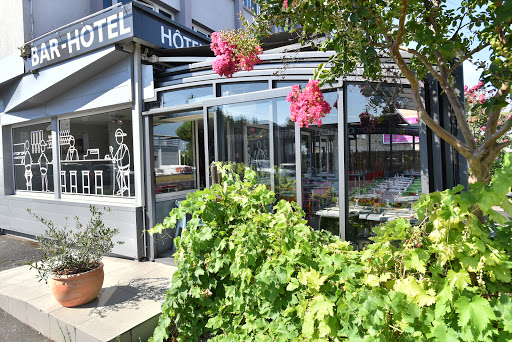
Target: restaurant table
{"x": 386, "y": 215}
{"x": 369, "y": 214}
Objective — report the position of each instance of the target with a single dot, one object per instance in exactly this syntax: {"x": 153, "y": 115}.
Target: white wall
{"x": 16, "y": 26}
{"x": 173, "y": 3}
{"x": 11, "y": 26}
{"x": 216, "y": 15}
{"x": 51, "y": 14}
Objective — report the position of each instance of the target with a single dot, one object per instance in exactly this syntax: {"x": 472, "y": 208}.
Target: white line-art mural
{"x": 43, "y": 166}
{"x": 122, "y": 162}
{"x": 32, "y": 157}
{"x": 27, "y": 162}
{"x": 72, "y": 151}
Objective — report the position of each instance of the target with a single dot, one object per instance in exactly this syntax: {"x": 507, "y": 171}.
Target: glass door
{"x": 179, "y": 168}
{"x": 255, "y": 129}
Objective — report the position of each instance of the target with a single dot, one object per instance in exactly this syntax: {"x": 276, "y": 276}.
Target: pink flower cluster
{"x": 475, "y": 94}
{"x": 234, "y": 52}
{"x": 285, "y": 4}
{"x": 307, "y": 107}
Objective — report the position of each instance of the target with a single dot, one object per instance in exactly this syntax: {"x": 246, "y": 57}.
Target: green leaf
{"x": 476, "y": 311}
{"x": 504, "y": 308}
{"x": 415, "y": 291}
{"x": 215, "y": 322}
{"x": 308, "y": 326}
{"x": 313, "y": 279}
{"x": 458, "y": 280}
{"x": 442, "y": 333}
{"x": 323, "y": 329}
{"x": 417, "y": 260}
{"x": 321, "y": 307}
{"x": 371, "y": 280}
{"x": 199, "y": 272}
{"x": 506, "y": 205}
{"x": 292, "y": 285}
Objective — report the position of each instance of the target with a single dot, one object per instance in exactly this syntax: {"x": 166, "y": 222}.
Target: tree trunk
{"x": 479, "y": 171}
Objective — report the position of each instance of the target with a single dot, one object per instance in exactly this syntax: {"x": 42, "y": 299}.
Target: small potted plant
{"x": 71, "y": 263}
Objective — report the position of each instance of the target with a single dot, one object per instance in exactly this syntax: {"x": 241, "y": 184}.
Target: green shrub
{"x": 73, "y": 250}
{"x": 249, "y": 274}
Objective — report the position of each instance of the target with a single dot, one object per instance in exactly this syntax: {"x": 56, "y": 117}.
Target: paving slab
{"x": 126, "y": 309}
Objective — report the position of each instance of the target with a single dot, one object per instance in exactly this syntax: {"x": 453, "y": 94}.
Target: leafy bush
{"x": 246, "y": 273}
{"x": 71, "y": 251}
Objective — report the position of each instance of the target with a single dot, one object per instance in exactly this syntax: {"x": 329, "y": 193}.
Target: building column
{"x": 184, "y": 16}
{"x": 56, "y": 158}
{"x": 343, "y": 153}
{"x": 6, "y": 173}
{"x": 138, "y": 144}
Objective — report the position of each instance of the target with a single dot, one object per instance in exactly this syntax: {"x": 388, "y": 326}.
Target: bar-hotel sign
{"x": 120, "y": 24}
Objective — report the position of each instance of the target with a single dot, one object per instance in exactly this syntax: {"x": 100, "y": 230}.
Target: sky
{"x": 471, "y": 74}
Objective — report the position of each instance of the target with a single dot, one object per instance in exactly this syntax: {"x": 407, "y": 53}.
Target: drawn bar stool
{"x": 98, "y": 181}
{"x": 63, "y": 181}
{"x": 73, "y": 182}
{"x": 85, "y": 177}
{"x": 125, "y": 182}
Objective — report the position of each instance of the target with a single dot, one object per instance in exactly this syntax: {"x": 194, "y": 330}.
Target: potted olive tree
{"x": 71, "y": 263}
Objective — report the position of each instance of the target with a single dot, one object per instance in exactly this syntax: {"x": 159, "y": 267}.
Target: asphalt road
{"x": 14, "y": 252}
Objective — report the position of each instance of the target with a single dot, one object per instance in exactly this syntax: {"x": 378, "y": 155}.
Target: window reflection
{"x": 185, "y": 96}
{"x": 243, "y": 136}
{"x": 320, "y": 169}
{"x": 284, "y": 84}
{"x": 384, "y": 163}
{"x": 228, "y": 89}
{"x": 260, "y": 135}
{"x": 175, "y": 154}
{"x": 284, "y": 146}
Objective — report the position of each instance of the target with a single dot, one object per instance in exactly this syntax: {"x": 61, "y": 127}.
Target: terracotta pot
{"x": 77, "y": 289}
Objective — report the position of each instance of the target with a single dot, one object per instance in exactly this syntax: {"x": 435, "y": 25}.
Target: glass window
{"x": 228, "y": 89}
{"x": 384, "y": 163}
{"x": 175, "y": 152}
{"x": 32, "y": 158}
{"x": 96, "y": 154}
{"x": 260, "y": 135}
{"x": 243, "y": 136}
{"x": 166, "y": 14}
{"x": 284, "y": 152}
{"x": 284, "y": 84}
{"x": 252, "y": 5}
{"x": 320, "y": 168}
{"x": 201, "y": 30}
{"x": 185, "y": 96}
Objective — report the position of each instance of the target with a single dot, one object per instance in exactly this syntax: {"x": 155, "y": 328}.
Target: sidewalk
{"x": 126, "y": 310}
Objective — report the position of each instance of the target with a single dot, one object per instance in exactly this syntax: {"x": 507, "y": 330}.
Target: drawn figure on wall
{"x": 72, "y": 151}
{"x": 259, "y": 159}
{"x": 27, "y": 161}
{"x": 43, "y": 167}
{"x": 121, "y": 160}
